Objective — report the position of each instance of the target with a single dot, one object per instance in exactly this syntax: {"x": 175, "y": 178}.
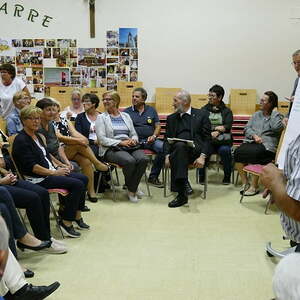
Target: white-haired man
{"x": 12, "y": 282}
{"x": 186, "y": 123}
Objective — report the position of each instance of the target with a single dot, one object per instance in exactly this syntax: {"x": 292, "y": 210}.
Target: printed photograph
{"x": 73, "y": 43}
{"x": 124, "y": 52}
{"x": 73, "y": 52}
{"x": 124, "y": 60}
{"x": 123, "y": 77}
{"x": 111, "y": 69}
{"x": 51, "y": 43}
{"x": 21, "y": 71}
{"x": 27, "y": 43}
{"x": 16, "y": 43}
{"x": 111, "y": 52}
{"x": 47, "y": 52}
{"x": 7, "y": 60}
{"x": 133, "y": 65}
{"x": 134, "y": 53}
{"x": 102, "y": 72}
{"x": 101, "y": 82}
{"x": 39, "y": 42}
{"x": 133, "y": 76}
{"x": 112, "y": 60}
{"x": 55, "y": 52}
{"x": 63, "y": 43}
{"x": 128, "y": 37}
{"x": 112, "y": 38}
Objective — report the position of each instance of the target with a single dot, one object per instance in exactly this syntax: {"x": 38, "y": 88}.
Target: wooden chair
{"x": 57, "y": 191}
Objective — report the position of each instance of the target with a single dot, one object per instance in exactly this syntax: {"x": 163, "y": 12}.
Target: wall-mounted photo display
{"x": 29, "y": 57}
{"x": 124, "y": 51}
{"x": 56, "y": 76}
{"x": 112, "y": 38}
{"x": 128, "y": 37}
{"x": 133, "y": 65}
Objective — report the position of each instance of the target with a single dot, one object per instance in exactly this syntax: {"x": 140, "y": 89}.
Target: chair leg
{"x": 56, "y": 218}
{"x": 205, "y": 183}
{"x": 268, "y": 205}
{"x": 117, "y": 177}
{"x": 165, "y": 181}
{"x": 113, "y": 185}
{"x": 99, "y": 181}
{"x": 147, "y": 184}
{"x": 246, "y": 186}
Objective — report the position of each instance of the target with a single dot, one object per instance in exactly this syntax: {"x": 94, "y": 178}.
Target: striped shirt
{"x": 292, "y": 173}
{"x": 121, "y": 131}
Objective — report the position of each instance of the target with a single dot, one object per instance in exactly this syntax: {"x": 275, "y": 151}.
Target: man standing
{"x": 296, "y": 64}
{"x": 146, "y": 123}
{"x": 186, "y": 123}
{"x": 284, "y": 187}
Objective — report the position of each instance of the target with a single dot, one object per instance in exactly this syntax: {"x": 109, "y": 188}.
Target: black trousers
{"x": 180, "y": 157}
{"x": 11, "y": 217}
{"x": 35, "y": 199}
{"x": 76, "y": 184}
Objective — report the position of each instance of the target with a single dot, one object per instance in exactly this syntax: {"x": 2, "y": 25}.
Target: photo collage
{"x": 42, "y": 63}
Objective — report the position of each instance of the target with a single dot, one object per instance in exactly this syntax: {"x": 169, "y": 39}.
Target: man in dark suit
{"x": 189, "y": 124}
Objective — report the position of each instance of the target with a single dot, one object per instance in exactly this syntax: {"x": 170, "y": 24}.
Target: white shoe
{"x": 59, "y": 242}
{"x": 140, "y": 194}
{"x": 55, "y": 249}
{"x": 133, "y": 198}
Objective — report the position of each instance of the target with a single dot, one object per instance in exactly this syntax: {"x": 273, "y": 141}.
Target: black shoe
{"x": 92, "y": 199}
{"x": 28, "y": 273}
{"x": 69, "y": 230}
{"x": 178, "y": 201}
{"x": 81, "y": 224}
{"x": 43, "y": 245}
{"x": 202, "y": 179}
{"x": 188, "y": 188}
{"x": 155, "y": 182}
{"x": 31, "y": 292}
{"x": 226, "y": 180}
{"x": 85, "y": 209}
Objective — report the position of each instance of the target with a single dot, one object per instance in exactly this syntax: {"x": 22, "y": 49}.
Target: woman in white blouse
{"x": 9, "y": 86}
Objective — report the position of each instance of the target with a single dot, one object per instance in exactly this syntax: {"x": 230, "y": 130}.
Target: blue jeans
{"x": 158, "y": 163}
{"x": 225, "y": 153}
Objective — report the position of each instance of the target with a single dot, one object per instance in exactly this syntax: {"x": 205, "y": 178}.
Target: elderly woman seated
{"x": 262, "y": 134}
{"x": 118, "y": 143}
{"x": 35, "y": 163}
{"x": 76, "y": 107}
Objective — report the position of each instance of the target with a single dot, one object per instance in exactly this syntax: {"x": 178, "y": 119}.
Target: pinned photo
{"x": 73, "y": 52}
{"x": 112, "y": 38}
{"x": 72, "y": 62}
{"x": 133, "y": 65}
{"x": 102, "y": 72}
{"x": 56, "y": 52}
{"x": 47, "y": 52}
{"x": 16, "y": 43}
{"x": 21, "y": 71}
{"x": 111, "y": 69}
{"x": 111, "y": 52}
{"x": 63, "y": 43}
{"x": 51, "y": 43}
{"x": 73, "y": 43}
{"x": 124, "y": 60}
{"x": 124, "y": 52}
{"x": 123, "y": 77}
{"x": 27, "y": 43}
{"x": 134, "y": 53}
{"x": 112, "y": 60}
{"x": 101, "y": 82}
{"x": 91, "y": 57}
{"x": 7, "y": 60}
{"x": 128, "y": 37}
{"x": 122, "y": 69}
{"x": 133, "y": 76}
{"x": 39, "y": 42}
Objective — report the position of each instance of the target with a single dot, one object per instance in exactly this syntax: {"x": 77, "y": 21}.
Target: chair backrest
{"x": 242, "y": 101}
{"x": 11, "y": 140}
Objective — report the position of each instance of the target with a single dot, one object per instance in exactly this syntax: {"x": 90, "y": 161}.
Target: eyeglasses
{"x": 87, "y": 101}
{"x": 296, "y": 63}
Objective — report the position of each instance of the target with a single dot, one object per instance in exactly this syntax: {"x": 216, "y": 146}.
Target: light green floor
{"x": 213, "y": 249}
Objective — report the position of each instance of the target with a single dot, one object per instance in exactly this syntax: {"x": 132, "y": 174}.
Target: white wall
{"x": 192, "y": 44}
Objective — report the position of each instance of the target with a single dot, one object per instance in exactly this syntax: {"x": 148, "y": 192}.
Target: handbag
{"x": 222, "y": 139}
{"x": 124, "y": 148}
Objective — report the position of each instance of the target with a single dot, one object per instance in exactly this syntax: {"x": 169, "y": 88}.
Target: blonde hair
{"x": 29, "y": 111}
{"x": 19, "y": 95}
{"x": 76, "y": 91}
{"x": 114, "y": 96}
